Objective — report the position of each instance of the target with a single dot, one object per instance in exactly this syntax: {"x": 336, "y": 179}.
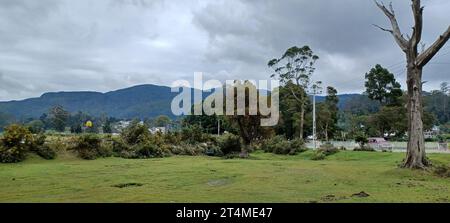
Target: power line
{"x": 440, "y": 63}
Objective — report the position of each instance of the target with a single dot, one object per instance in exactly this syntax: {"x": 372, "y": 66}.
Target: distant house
{"x": 429, "y": 134}
{"x": 154, "y": 130}
{"x": 121, "y": 125}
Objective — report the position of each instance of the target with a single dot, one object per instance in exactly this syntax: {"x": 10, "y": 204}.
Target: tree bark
{"x": 415, "y": 156}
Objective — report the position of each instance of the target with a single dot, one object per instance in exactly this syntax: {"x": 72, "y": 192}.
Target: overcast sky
{"x": 103, "y": 45}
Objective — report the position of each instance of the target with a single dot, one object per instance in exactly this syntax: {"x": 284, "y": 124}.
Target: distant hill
{"x": 138, "y": 101}
{"x": 143, "y": 101}
{"x": 344, "y": 99}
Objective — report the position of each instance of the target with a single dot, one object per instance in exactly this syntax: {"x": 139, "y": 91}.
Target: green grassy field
{"x": 263, "y": 178}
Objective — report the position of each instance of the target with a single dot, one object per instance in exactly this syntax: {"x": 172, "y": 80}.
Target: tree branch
{"x": 383, "y": 29}
{"x": 295, "y": 95}
{"x": 418, "y": 23}
{"x": 401, "y": 41}
{"x": 429, "y": 53}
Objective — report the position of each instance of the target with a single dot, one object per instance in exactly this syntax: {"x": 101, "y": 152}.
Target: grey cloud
{"x": 54, "y": 45}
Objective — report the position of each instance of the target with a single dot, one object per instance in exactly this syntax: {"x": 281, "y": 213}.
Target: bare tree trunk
{"x": 415, "y": 156}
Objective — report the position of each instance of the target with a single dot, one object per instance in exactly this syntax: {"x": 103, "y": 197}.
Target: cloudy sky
{"x": 103, "y": 45}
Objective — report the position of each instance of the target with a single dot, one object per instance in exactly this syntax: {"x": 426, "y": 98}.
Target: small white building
{"x": 154, "y": 130}
{"x": 429, "y": 134}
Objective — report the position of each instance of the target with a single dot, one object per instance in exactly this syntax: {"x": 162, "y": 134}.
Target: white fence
{"x": 397, "y": 146}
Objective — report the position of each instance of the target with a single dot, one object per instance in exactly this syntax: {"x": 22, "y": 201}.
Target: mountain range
{"x": 142, "y": 101}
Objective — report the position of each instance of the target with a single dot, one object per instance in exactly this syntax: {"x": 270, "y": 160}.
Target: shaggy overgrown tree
{"x": 294, "y": 70}
{"x": 382, "y": 86}
{"x": 249, "y": 125}
{"x": 415, "y": 157}
{"x": 59, "y": 118}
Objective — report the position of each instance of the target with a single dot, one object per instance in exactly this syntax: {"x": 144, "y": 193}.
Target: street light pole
{"x": 314, "y": 120}
{"x": 316, "y": 89}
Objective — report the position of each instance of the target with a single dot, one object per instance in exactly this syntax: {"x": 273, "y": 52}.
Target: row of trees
{"x": 60, "y": 120}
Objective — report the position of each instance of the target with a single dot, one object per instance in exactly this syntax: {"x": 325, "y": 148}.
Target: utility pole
{"x": 316, "y": 89}
{"x": 218, "y": 127}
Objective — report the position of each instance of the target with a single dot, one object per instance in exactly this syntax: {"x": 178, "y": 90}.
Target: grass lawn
{"x": 263, "y": 178}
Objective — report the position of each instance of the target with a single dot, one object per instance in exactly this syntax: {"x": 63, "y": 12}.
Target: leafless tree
{"x": 416, "y": 157}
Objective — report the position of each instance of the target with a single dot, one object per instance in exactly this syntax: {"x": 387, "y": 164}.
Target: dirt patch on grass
{"x": 361, "y": 194}
{"x": 125, "y": 185}
{"x": 442, "y": 171}
{"x": 331, "y": 198}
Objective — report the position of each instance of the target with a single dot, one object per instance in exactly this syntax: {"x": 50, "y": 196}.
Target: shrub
{"x": 172, "y": 138}
{"x": 193, "y": 134}
{"x": 16, "y": 142}
{"x": 106, "y": 147}
{"x": 280, "y": 145}
{"x": 58, "y": 144}
{"x": 38, "y": 140}
{"x": 318, "y": 155}
{"x": 229, "y": 143}
{"x": 36, "y": 126}
{"x": 119, "y": 145}
{"x": 361, "y": 139}
{"x": 298, "y": 145}
{"x": 325, "y": 150}
{"x": 42, "y": 149}
{"x": 147, "y": 150}
{"x": 328, "y": 149}
{"x": 364, "y": 149}
{"x": 213, "y": 150}
{"x": 135, "y": 133}
{"x": 189, "y": 149}
{"x": 46, "y": 152}
{"x": 269, "y": 145}
{"x": 88, "y": 146}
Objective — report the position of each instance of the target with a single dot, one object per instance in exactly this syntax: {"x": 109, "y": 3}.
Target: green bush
{"x": 42, "y": 149}
{"x": 193, "y": 134}
{"x": 298, "y": 145}
{"x": 106, "y": 147}
{"x": 229, "y": 144}
{"x": 88, "y": 146}
{"x": 328, "y": 149}
{"x": 135, "y": 133}
{"x": 213, "y": 150}
{"x": 46, "y": 152}
{"x": 119, "y": 146}
{"x": 361, "y": 139}
{"x": 16, "y": 142}
{"x": 172, "y": 138}
{"x": 364, "y": 149}
{"x": 325, "y": 150}
{"x": 60, "y": 144}
{"x": 147, "y": 150}
{"x": 318, "y": 155}
{"x": 186, "y": 149}
{"x": 269, "y": 145}
{"x": 280, "y": 145}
